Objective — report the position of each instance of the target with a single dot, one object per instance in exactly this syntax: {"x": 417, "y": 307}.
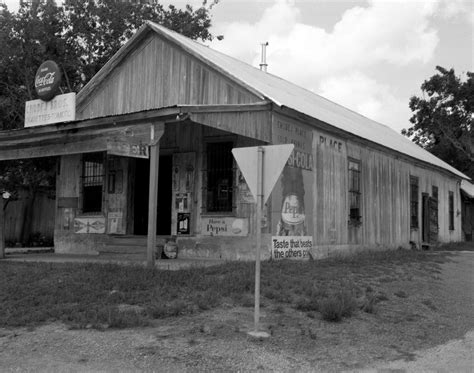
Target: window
{"x": 354, "y": 191}
{"x": 451, "y": 211}
{"x": 92, "y": 182}
{"x": 413, "y": 202}
{"x": 220, "y": 178}
{"x": 434, "y": 192}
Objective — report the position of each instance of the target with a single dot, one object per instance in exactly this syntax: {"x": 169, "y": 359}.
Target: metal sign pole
{"x": 259, "y": 235}
{"x": 269, "y": 161}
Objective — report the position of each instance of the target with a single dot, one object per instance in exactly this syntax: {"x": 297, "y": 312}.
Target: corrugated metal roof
{"x": 467, "y": 188}
{"x": 284, "y": 93}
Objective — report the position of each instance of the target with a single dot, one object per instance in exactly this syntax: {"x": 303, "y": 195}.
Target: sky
{"x": 370, "y": 56}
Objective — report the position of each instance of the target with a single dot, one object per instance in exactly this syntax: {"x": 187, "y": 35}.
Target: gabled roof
{"x": 286, "y": 94}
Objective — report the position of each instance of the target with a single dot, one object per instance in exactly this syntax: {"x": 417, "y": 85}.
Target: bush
{"x": 207, "y": 299}
{"x": 337, "y": 306}
{"x": 37, "y": 239}
{"x": 307, "y": 304}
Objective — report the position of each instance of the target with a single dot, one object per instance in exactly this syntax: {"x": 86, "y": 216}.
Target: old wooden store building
{"x": 172, "y": 108}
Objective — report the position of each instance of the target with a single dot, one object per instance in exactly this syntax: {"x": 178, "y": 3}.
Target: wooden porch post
{"x": 156, "y": 133}
{"x": 2, "y": 229}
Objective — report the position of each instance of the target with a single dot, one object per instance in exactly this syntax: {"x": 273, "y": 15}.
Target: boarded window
{"x": 414, "y": 200}
{"x": 219, "y": 178}
{"x": 354, "y": 191}
{"x": 434, "y": 192}
{"x": 451, "y": 211}
{"x": 92, "y": 182}
{"x": 434, "y": 214}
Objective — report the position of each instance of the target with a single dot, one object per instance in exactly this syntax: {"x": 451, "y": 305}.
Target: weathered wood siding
{"x": 68, "y": 191}
{"x": 159, "y": 74}
{"x": 386, "y": 198}
{"x": 330, "y": 214}
{"x": 251, "y": 124}
{"x": 385, "y": 194}
{"x": 117, "y": 195}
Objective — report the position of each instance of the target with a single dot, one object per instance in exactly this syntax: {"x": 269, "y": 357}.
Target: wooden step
{"x": 135, "y": 240}
{"x": 130, "y": 244}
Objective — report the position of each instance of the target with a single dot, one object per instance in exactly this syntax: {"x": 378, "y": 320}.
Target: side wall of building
{"x": 384, "y": 192}
{"x": 311, "y": 198}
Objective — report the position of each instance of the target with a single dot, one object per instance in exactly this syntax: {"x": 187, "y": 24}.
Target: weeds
{"x": 339, "y": 305}
{"x": 429, "y": 303}
{"x": 401, "y": 294}
{"x": 368, "y": 303}
{"x": 93, "y": 295}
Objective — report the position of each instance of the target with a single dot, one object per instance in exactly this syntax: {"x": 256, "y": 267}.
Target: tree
{"x": 443, "y": 118}
{"x": 80, "y": 37}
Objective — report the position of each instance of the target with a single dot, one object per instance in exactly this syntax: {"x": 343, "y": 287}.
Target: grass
{"x": 114, "y": 296}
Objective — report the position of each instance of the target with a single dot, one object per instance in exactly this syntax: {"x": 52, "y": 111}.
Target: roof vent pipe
{"x": 263, "y": 64}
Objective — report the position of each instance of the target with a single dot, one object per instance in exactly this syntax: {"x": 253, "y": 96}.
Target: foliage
{"x": 443, "y": 118}
{"x": 80, "y": 37}
{"x": 27, "y": 174}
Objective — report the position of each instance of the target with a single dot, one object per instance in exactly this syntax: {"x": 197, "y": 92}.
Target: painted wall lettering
{"x": 291, "y": 247}
{"x": 331, "y": 143}
{"x": 302, "y": 137}
{"x": 301, "y": 160}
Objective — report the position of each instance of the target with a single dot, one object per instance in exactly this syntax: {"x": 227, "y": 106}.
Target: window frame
{"x": 414, "y": 202}
{"x": 451, "y": 210}
{"x": 227, "y": 204}
{"x": 97, "y": 176}
{"x": 354, "y": 191}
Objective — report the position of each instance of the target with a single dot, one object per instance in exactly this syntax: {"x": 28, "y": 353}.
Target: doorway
{"x": 142, "y": 187}
{"x": 429, "y": 219}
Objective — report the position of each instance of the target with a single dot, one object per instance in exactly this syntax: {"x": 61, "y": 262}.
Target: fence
{"x": 42, "y": 222}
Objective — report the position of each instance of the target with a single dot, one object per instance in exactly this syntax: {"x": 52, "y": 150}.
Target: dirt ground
{"x": 425, "y": 324}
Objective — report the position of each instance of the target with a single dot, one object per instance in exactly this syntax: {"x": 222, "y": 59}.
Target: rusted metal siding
{"x": 158, "y": 74}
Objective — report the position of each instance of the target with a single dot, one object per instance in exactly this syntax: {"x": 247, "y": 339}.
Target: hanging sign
{"x": 61, "y": 108}
{"x": 47, "y": 80}
{"x": 128, "y": 147}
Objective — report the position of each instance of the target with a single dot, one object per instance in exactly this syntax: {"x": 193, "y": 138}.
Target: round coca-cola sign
{"x": 47, "y": 80}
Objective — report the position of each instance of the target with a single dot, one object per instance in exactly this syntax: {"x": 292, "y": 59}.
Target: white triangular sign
{"x": 274, "y": 159}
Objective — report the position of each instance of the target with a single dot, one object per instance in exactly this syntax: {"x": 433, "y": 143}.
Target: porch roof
{"x": 91, "y": 135}
{"x": 467, "y": 188}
